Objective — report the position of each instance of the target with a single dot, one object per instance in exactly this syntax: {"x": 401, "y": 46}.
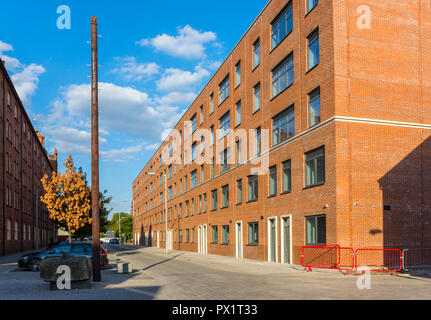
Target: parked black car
{"x": 31, "y": 261}
{"x": 114, "y": 241}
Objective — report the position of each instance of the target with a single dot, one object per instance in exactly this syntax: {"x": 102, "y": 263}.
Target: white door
{"x": 158, "y": 239}
{"x": 286, "y": 243}
{"x": 202, "y": 239}
{"x": 238, "y": 240}
{"x": 272, "y": 240}
{"x": 199, "y": 239}
{"x": 169, "y": 240}
{"x": 205, "y": 240}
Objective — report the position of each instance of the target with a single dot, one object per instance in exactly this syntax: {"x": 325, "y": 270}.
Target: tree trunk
{"x": 70, "y": 237}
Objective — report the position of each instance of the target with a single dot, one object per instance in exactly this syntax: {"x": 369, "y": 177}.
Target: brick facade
{"x": 24, "y": 161}
{"x": 375, "y": 128}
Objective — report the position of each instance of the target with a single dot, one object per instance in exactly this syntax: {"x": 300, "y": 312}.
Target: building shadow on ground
{"x": 163, "y": 261}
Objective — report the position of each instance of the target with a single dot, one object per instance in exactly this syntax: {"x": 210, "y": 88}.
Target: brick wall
{"x": 375, "y": 99}
{"x": 27, "y": 162}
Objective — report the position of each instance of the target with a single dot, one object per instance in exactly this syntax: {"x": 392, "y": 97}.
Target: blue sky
{"x": 156, "y": 56}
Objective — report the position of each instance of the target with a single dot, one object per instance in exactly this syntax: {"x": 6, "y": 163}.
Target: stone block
{"x": 81, "y": 268}
{"x": 124, "y": 267}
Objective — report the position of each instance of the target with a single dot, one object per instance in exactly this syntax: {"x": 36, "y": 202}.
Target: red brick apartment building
{"x": 343, "y": 88}
{"x": 24, "y": 221}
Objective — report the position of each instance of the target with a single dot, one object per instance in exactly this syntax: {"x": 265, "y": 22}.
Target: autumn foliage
{"x": 67, "y": 198}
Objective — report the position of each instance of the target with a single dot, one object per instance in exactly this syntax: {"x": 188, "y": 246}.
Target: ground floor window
{"x": 253, "y": 233}
{"x": 315, "y": 230}
{"x": 214, "y": 234}
{"x": 225, "y": 235}
{"x": 9, "y": 229}
{"x": 16, "y": 231}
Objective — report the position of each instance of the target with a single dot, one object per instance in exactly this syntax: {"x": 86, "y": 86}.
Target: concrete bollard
{"x": 124, "y": 267}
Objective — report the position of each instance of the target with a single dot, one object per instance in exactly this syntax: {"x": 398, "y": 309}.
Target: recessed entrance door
{"x": 285, "y": 239}
{"x": 272, "y": 240}
{"x": 238, "y": 239}
{"x": 199, "y": 239}
{"x": 202, "y": 239}
{"x": 171, "y": 241}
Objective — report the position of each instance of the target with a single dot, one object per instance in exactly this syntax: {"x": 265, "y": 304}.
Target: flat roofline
{"x": 203, "y": 89}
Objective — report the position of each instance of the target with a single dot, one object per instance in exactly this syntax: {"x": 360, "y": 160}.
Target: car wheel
{"x": 34, "y": 265}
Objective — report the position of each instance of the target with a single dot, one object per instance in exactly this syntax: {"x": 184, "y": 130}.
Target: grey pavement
{"x": 190, "y": 276}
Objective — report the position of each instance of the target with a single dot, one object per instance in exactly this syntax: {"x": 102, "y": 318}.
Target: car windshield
{"x": 59, "y": 249}
{"x": 81, "y": 249}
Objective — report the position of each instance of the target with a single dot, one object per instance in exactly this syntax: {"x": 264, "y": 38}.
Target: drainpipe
{"x": 21, "y": 183}
{"x": 36, "y": 236}
{"x": 4, "y": 177}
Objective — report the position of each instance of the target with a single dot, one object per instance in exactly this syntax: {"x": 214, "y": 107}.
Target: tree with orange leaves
{"x": 67, "y": 198}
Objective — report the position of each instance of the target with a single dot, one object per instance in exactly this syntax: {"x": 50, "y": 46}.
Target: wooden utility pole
{"x": 95, "y": 152}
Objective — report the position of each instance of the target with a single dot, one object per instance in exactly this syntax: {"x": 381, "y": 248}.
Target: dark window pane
{"x": 315, "y": 167}
{"x": 321, "y": 230}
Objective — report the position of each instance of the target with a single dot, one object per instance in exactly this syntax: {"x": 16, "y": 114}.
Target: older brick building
{"x": 344, "y": 89}
{"x": 24, "y": 221}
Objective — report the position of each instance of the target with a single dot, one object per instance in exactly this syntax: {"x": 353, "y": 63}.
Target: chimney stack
{"x": 41, "y": 139}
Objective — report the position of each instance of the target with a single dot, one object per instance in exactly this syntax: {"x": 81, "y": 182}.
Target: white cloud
{"x": 177, "y": 98}
{"x": 188, "y": 43}
{"x": 69, "y": 140}
{"x": 122, "y": 154}
{"x": 179, "y": 80}
{"x": 25, "y": 78}
{"x": 152, "y": 147}
{"x": 213, "y": 65}
{"x": 123, "y": 110}
{"x": 5, "y": 46}
{"x": 11, "y": 64}
{"x": 131, "y": 70}
{"x": 26, "y": 81}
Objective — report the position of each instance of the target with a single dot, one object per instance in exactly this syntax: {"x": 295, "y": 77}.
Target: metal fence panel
{"x": 379, "y": 259}
{"x": 327, "y": 257}
{"x": 416, "y": 258}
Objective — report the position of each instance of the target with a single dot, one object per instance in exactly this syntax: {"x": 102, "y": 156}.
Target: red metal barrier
{"x": 326, "y": 257}
{"x": 347, "y": 259}
{"x": 379, "y": 259}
